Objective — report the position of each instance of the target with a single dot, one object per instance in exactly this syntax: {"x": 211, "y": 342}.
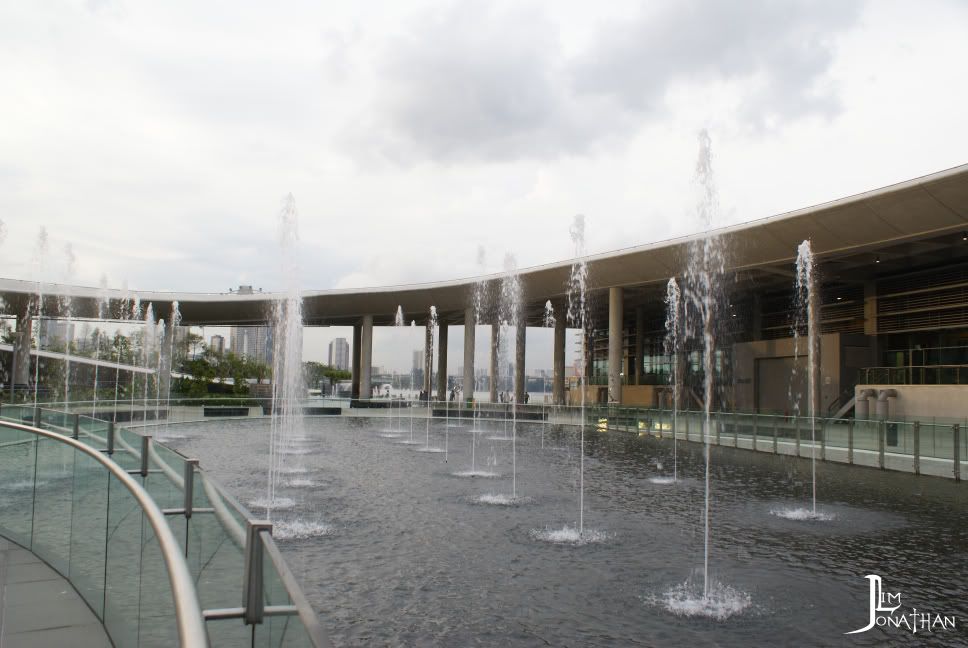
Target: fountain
{"x": 66, "y": 308}
{"x": 806, "y": 307}
{"x": 40, "y": 259}
{"x": 287, "y": 375}
{"x": 102, "y": 309}
{"x": 429, "y": 363}
{"x": 673, "y": 299}
{"x": 703, "y": 291}
{"x": 148, "y": 342}
{"x": 390, "y": 432}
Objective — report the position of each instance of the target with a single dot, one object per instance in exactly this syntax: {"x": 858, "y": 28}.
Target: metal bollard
{"x": 735, "y": 429}
{"x": 850, "y": 442}
{"x": 38, "y": 417}
{"x": 916, "y": 432}
{"x": 189, "y": 485}
{"x": 756, "y": 426}
{"x": 110, "y": 438}
{"x": 145, "y": 452}
{"x": 823, "y": 438}
{"x": 881, "y": 431}
{"x": 956, "y": 455}
{"x": 776, "y": 433}
{"x": 252, "y": 601}
{"x": 77, "y": 427}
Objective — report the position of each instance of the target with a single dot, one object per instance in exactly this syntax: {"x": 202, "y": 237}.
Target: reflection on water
{"x": 402, "y": 553}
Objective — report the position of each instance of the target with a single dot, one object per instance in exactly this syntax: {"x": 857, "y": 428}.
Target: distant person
{"x": 527, "y": 397}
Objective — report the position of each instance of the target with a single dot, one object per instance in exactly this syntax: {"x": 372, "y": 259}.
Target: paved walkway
{"x": 38, "y": 608}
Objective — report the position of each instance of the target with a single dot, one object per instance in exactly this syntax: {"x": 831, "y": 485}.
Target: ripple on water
{"x": 293, "y": 470}
{"x": 300, "y": 529}
{"x": 390, "y": 435}
{"x": 801, "y": 513}
{"x": 429, "y": 449}
{"x": 485, "y": 474}
{"x": 300, "y": 482}
{"x": 662, "y": 480}
{"x": 569, "y": 535}
{"x": 687, "y": 600}
{"x": 499, "y": 499}
{"x": 275, "y": 504}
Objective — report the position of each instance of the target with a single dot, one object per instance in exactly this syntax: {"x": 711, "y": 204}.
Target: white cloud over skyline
{"x": 159, "y": 139}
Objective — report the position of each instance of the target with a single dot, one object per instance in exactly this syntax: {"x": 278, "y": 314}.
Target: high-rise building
{"x": 217, "y": 344}
{"x": 252, "y": 342}
{"x": 339, "y": 354}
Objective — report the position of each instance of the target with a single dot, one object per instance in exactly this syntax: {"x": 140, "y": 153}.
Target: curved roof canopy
{"x": 874, "y": 222}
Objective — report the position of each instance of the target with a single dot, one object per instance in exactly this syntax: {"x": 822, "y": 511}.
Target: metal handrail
{"x": 188, "y": 610}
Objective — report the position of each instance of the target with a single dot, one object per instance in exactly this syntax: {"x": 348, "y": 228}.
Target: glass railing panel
{"x": 53, "y": 502}
{"x": 282, "y": 632}
{"x": 164, "y": 481}
{"x": 215, "y": 555}
{"x": 157, "y": 625}
{"x": 230, "y": 632}
{"x": 866, "y": 445}
{"x": 18, "y": 452}
{"x": 122, "y": 596}
{"x": 93, "y": 432}
{"x": 937, "y": 441}
{"x": 127, "y": 448}
{"x": 89, "y": 530}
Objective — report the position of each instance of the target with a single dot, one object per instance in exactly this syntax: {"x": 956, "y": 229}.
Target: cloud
{"x": 477, "y": 82}
{"x": 778, "y": 52}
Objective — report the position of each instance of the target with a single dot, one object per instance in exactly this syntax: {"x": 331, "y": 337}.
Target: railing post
{"x": 776, "y": 432}
{"x": 718, "y": 422}
{"x": 823, "y": 438}
{"x": 38, "y": 418}
{"x": 956, "y": 455}
{"x": 687, "y": 428}
{"x": 145, "y": 449}
{"x": 797, "y": 419}
{"x": 252, "y": 601}
{"x": 756, "y": 428}
{"x": 916, "y": 432}
{"x": 189, "y": 480}
{"x": 76, "y": 432}
{"x": 110, "y": 438}
{"x": 850, "y": 441}
{"x": 881, "y": 431}
{"x": 735, "y": 429}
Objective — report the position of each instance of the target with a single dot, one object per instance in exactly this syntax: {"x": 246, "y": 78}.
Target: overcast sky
{"x": 158, "y": 139}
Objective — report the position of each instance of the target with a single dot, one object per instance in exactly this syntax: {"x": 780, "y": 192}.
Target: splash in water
{"x": 806, "y": 296}
{"x": 578, "y": 318}
{"x": 673, "y": 300}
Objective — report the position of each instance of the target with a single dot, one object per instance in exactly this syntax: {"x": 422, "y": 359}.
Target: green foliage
{"x": 313, "y": 372}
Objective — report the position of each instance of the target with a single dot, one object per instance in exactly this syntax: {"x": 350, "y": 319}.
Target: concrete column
{"x": 558, "y": 379}
{"x": 615, "y": 295}
{"x": 442, "y": 362}
{"x": 470, "y": 323}
{"x": 366, "y": 357}
{"x": 495, "y": 347}
{"x": 355, "y": 361}
{"x": 870, "y": 308}
{"x": 520, "y": 384}
{"x": 428, "y": 359}
{"x": 635, "y": 376}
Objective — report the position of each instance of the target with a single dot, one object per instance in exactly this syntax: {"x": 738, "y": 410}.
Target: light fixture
{"x": 839, "y": 298}
{"x": 964, "y": 236}
{"x": 877, "y": 259}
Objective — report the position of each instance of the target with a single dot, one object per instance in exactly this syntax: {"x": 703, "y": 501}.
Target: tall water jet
{"x": 174, "y": 321}
{"x": 287, "y": 344}
{"x": 136, "y": 315}
{"x": 578, "y": 318}
{"x": 702, "y": 292}
{"x": 806, "y": 318}
{"x": 511, "y": 306}
{"x": 67, "y": 310}
{"x": 673, "y": 299}
{"x": 40, "y": 260}
{"x": 390, "y": 432}
{"x": 706, "y": 266}
{"x": 429, "y": 364}
{"x": 102, "y": 308}
{"x": 148, "y": 342}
